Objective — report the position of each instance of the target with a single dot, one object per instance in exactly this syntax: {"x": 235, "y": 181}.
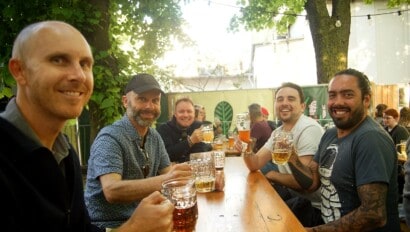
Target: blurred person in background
{"x": 182, "y": 135}
{"x": 265, "y": 115}
{"x": 391, "y": 123}
{"x": 200, "y": 114}
{"x": 399, "y": 134}
{"x": 405, "y": 117}
{"x": 260, "y": 129}
{"x": 378, "y": 115}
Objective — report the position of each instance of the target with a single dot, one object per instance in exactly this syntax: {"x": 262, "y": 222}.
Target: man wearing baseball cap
{"x": 127, "y": 156}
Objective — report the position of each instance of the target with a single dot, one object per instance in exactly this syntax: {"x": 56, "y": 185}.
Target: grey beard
{"x": 142, "y": 122}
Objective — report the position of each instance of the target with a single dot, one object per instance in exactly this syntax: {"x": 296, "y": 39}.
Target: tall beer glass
{"x": 243, "y": 124}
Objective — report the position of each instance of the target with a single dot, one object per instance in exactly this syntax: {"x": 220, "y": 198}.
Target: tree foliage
{"x": 145, "y": 26}
{"x": 331, "y": 43}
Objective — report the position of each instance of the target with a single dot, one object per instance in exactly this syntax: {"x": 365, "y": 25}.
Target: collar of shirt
{"x": 14, "y": 116}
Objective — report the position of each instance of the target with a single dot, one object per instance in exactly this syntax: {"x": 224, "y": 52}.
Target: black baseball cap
{"x": 141, "y": 83}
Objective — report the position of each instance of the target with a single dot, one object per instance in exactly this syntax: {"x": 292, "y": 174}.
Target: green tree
{"x": 331, "y": 43}
{"x": 147, "y": 27}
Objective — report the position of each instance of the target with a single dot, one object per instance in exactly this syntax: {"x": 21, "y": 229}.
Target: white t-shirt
{"x": 306, "y": 137}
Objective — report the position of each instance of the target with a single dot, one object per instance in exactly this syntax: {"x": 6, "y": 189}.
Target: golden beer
{"x": 205, "y": 184}
{"x": 218, "y": 145}
{"x": 208, "y": 136}
{"x": 231, "y": 142}
{"x": 281, "y": 156}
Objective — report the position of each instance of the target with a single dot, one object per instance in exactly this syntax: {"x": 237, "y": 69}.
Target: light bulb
{"x": 338, "y": 23}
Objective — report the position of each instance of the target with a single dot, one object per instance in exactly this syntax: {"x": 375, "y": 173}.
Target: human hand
{"x": 293, "y": 155}
{"x": 239, "y": 145}
{"x": 154, "y": 213}
{"x": 197, "y": 135}
{"x": 244, "y": 146}
{"x": 179, "y": 170}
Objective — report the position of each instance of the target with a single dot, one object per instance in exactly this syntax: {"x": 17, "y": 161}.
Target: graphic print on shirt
{"x": 330, "y": 199}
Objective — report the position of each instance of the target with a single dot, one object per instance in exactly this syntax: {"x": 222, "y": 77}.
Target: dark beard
{"x": 357, "y": 117}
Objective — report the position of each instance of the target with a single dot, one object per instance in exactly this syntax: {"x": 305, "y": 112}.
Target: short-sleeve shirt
{"x": 365, "y": 156}
{"x": 116, "y": 150}
{"x": 306, "y": 137}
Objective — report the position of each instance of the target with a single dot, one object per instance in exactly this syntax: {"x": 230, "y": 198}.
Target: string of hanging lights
{"x": 369, "y": 16}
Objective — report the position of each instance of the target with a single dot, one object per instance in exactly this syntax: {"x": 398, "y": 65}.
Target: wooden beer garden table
{"x": 248, "y": 203}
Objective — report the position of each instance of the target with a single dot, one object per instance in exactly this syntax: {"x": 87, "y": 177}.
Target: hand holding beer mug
{"x": 208, "y": 133}
{"x": 243, "y": 124}
{"x": 282, "y": 147}
{"x": 181, "y": 192}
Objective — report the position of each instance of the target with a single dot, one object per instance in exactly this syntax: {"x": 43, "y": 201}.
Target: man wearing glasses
{"x": 128, "y": 159}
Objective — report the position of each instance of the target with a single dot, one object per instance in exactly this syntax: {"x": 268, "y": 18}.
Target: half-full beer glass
{"x": 282, "y": 147}
{"x": 182, "y": 193}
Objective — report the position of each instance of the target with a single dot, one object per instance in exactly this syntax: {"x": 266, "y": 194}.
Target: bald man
{"x": 40, "y": 176}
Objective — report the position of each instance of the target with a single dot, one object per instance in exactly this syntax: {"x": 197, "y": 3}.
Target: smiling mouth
{"x": 338, "y": 112}
{"x": 73, "y": 93}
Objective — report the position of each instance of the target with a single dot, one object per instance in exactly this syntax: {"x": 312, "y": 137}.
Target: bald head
{"x": 23, "y": 43}
{"x": 52, "y": 65}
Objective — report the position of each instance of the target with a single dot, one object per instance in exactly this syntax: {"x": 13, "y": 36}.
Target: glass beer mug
{"x": 203, "y": 168}
{"x": 182, "y": 193}
{"x": 282, "y": 147}
{"x": 401, "y": 149}
{"x": 243, "y": 124}
{"x": 208, "y": 133}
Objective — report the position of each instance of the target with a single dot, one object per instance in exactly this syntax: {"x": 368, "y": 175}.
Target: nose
{"x": 77, "y": 73}
{"x": 149, "y": 104}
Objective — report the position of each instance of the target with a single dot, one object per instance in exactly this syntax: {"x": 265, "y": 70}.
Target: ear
{"x": 303, "y": 106}
{"x": 124, "y": 100}
{"x": 366, "y": 101}
{"x": 17, "y": 71}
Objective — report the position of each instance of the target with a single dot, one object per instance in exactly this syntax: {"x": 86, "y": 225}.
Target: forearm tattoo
{"x": 370, "y": 215}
